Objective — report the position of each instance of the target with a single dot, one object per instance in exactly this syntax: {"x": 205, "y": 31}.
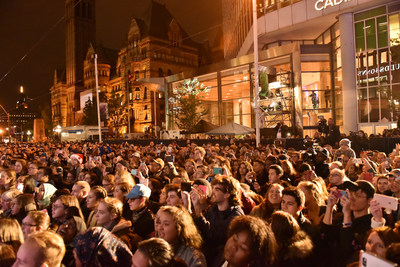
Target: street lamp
{"x": 1, "y": 133}
{"x": 256, "y": 81}
{"x": 58, "y": 131}
{"x": 29, "y": 134}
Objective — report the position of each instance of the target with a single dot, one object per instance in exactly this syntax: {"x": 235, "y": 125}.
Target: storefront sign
{"x": 323, "y": 4}
{"x": 379, "y": 70}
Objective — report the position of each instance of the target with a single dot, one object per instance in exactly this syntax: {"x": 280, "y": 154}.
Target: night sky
{"x": 35, "y": 28}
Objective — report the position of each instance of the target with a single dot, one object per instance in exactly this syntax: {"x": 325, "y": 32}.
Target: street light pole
{"x": 97, "y": 95}
{"x": 256, "y": 79}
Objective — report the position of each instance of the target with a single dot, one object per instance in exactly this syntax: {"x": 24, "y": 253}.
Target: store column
{"x": 348, "y": 72}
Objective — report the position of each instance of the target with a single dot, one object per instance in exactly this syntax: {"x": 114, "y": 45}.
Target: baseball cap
{"x": 136, "y": 154}
{"x": 139, "y": 190}
{"x": 365, "y": 186}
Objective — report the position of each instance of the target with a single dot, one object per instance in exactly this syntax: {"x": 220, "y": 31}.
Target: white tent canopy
{"x": 231, "y": 129}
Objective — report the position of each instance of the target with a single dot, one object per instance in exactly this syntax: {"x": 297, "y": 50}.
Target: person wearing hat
{"x": 351, "y": 234}
{"x": 345, "y": 149}
{"x": 142, "y": 218}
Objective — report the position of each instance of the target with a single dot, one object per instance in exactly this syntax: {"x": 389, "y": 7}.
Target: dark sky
{"x": 29, "y": 27}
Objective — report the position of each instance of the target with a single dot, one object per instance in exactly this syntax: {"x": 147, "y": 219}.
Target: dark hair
{"x": 29, "y": 186}
{"x": 158, "y": 252}
{"x": 278, "y": 169}
{"x": 99, "y": 192}
{"x": 231, "y": 186}
{"x": 263, "y": 245}
{"x": 296, "y": 193}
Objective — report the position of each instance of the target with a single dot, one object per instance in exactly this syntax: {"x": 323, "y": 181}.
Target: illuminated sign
{"x": 392, "y": 67}
{"x": 323, "y": 4}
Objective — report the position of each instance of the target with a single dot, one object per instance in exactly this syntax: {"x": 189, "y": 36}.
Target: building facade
{"x": 321, "y": 59}
{"x": 131, "y": 80}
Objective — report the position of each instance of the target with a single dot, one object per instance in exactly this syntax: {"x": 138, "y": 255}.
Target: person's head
{"x": 345, "y": 144}
{"x": 382, "y": 184}
{"x": 394, "y": 181}
{"x": 153, "y": 252}
{"x": 45, "y": 249}
{"x": 11, "y": 233}
{"x": 20, "y": 166}
{"x": 199, "y": 154}
{"x": 96, "y": 194}
{"x": 336, "y": 177}
{"x": 380, "y": 157}
{"x": 336, "y": 165}
{"x": 284, "y": 226}
{"x": 293, "y": 201}
{"x": 35, "y": 222}
{"x": 71, "y": 227}
{"x": 190, "y": 166}
{"x": 33, "y": 169}
{"x": 274, "y": 194}
{"x": 201, "y": 172}
{"x": 275, "y": 173}
{"x": 7, "y": 197}
{"x": 91, "y": 178}
{"x": 379, "y": 239}
{"x": 109, "y": 211}
{"x": 175, "y": 225}
{"x": 396, "y": 162}
{"x": 225, "y": 189}
{"x": 80, "y": 190}
{"x": 138, "y": 197}
{"x": 43, "y": 194}
{"x": 259, "y": 166}
{"x": 244, "y": 168}
{"x": 108, "y": 183}
{"x": 44, "y": 174}
{"x": 22, "y": 204}
{"x": 61, "y": 205}
{"x": 173, "y": 195}
{"x": 361, "y": 194}
{"x": 251, "y": 242}
{"x": 120, "y": 190}
{"x": 122, "y": 167}
{"x": 7, "y": 178}
{"x": 312, "y": 193}
{"x": 156, "y": 165}
{"x": 107, "y": 250}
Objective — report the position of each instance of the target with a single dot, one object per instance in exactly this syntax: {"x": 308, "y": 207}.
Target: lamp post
{"x": 256, "y": 80}
{"x": 58, "y": 131}
{"x": 28, "y": 133}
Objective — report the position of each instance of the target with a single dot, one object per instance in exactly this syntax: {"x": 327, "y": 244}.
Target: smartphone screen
{"x": 185, "y": 186}
{"x": 134, "y": 172}
{"x": 217, "y": 170}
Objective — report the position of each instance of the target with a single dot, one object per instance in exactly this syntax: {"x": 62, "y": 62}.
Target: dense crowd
{"x": 98, "y": 204}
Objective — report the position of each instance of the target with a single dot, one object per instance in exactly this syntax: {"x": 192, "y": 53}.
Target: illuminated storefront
{"x": 348, "y": 71}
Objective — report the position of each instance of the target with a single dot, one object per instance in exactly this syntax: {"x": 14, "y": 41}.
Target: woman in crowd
{"x": 11, "y": 233}
{"x": 60, "y": 208}
{"x": 43, "y": 195}
{"x": 96, "y": 194}
{"x": 108, "y": 184}
{"x": 175, "y": 225}
{"x": 8, "y": 179}
{"x": 380, "y": 239}
{"x": 289, "y": 172}
{"x": 315, "y": 201}
{"x": 7, "y": 255}
{"x": 382, "y": 185}
{"x": 91, "y": 178}
{"x": 251, "y": 242}
{"x": 6, "y": 199}
{"x": 109, "y": 216}
{"x": 20, "y": 167}
{"x": 244, "y": 168}
{"x": 294, "y": 246}
{"x": 120, "y": 190}
{"x": 271, "y": 203}
{"x": 21, "y": 205}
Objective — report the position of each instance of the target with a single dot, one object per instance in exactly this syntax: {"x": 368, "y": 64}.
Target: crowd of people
{"x": 98, "y": 204}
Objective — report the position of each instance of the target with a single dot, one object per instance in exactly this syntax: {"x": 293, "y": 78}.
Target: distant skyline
{"x": 29, "y": 30}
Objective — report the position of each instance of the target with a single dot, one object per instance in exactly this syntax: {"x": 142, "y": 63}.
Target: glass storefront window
{"x": 382, "y": 32}
{"x": 359, "y": 31}
{"x": 394, "y": 29}
{"x": 370, "y": 31}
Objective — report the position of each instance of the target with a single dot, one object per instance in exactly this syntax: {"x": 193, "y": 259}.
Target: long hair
{"x": 71, "y": 201}
{"x": 315, "y": 192}
{"x": 11, "y": 233}
{"x": 263, "y": 244}
{"x": 231, "y": 186}
{"x": 188, "y": 234}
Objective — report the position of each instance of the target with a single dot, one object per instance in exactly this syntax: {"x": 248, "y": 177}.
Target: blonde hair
{"x": 11, "y": 233}
{"x": 50, "y": 247}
